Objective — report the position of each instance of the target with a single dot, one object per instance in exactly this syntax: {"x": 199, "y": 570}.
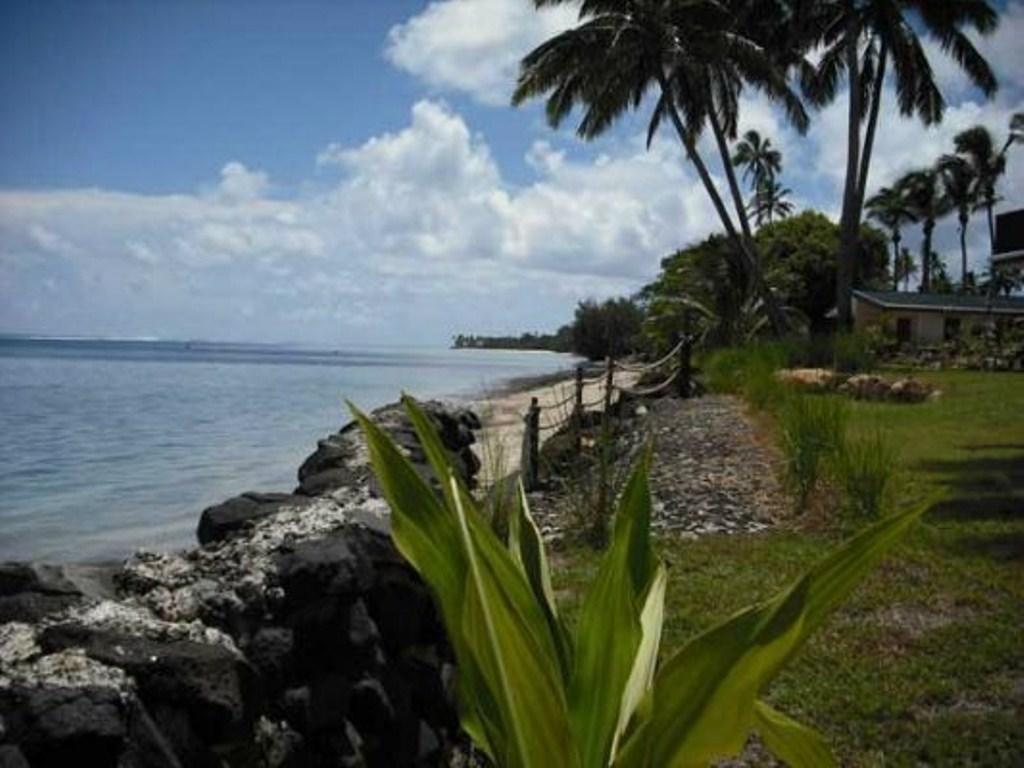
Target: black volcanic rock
{"x": 295, "y": 636}
{"x": 230, "y": 517}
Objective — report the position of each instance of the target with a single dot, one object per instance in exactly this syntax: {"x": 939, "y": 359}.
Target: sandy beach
{"x": 502, "y": 413}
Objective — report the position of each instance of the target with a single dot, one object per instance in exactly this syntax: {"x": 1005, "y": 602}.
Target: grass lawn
{"x": 925, "y": 663}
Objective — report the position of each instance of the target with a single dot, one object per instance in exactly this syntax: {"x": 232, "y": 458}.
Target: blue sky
{"x": 351, "y": 172}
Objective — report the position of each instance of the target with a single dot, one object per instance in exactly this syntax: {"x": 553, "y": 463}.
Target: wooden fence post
{"x": 531, "y": 447}
{"x": 608, "y": 382}
{"x": 683, "y": 387}
{"x": 577, "y": 411}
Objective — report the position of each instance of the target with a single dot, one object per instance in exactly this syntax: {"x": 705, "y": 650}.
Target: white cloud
{"x": 416, "y": 221}
{"x": 239, "y": 183}
{"x": 474, "y": 46}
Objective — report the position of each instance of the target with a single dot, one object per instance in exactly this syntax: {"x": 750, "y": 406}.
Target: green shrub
{"x": 760, "y": 387}
{"x": 723, "y": 370}
{"x": 743, "y": 370}
{"x": 865, "y": 469}
{"x": 533, "y": 692}
{"x": 853, "y": 353}
{"x": 812, "y": 430}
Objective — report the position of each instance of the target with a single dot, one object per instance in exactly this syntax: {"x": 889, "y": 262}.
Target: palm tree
{"x": 960, "y": 184}
{"x": 977, "y": 146}
{"x": 1016, "y": 132}
{"x": 769, "y": 202}
{"x": 905, "y": 267}
{"x": 696, "y": 58}
{"x": 926, "y": 199}
{"x": 889, "y": 207}
{"x": 759, "y": 160}
{"x": 857, "y": 40}
{"x": 1003, "y": 281}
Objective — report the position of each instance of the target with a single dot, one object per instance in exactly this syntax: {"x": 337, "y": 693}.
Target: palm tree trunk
{"x": 869, "y": 136}
{"x": 848, "y": 223}
{"x": 989, "y": 205}
{"x": 730, "y": 174}
{"x": 963, "y": 252}
{"x": 926, "y": 257}
{"x": 896, "y": 259}
{"x": 744, "y": 245}
{"x": 775, "y": 315}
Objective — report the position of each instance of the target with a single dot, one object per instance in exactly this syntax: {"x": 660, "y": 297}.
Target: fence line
{"x": 679, "y": 374}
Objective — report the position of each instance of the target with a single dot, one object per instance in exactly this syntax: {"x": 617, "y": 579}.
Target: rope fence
{"x": 568, "y": 411}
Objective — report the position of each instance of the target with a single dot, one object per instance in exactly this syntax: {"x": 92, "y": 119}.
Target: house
{"x": 1009, "y": 246}
{"x": 929, "y": 318}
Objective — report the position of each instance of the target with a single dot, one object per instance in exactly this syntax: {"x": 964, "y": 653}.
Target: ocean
{"x": 108, "y": 446}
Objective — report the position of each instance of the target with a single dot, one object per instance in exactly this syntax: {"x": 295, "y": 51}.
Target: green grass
{"x": 925, "y": 664}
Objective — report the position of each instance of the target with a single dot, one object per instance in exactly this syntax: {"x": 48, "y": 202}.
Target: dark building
{"x": 1009, "y": 247}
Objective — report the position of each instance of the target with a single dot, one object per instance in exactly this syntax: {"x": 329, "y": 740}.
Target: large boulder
{"x": 234, "y": 515}
{"x": 810, "y": 379}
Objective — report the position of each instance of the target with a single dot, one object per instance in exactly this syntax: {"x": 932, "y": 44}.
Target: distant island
{"x": 560, "y": 341}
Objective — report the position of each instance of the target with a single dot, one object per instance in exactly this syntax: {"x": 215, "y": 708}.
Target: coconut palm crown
{"x": 758, "y": 158}
{"x": 960, "y": 184}
{"x": 890, "y": 208}
{"x": 693, "y": 56}
{"x": 927, "y": 200}
{"x": 859, "y": 39}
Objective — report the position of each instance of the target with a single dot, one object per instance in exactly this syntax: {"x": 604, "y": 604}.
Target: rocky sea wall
{"x": 294, "y": 635}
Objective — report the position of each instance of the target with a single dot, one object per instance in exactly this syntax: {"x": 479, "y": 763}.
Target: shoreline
{"x": 501, "y": 413}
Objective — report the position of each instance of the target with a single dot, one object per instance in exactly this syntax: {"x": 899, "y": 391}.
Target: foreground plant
{"x": 533, "y": 692}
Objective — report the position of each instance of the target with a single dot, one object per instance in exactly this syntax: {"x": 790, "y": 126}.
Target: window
{"x": 951, "y": 328}
{"x": 902, "y": 329}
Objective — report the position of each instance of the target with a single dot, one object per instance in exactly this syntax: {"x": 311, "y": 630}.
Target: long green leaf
{"x": 514, "y": 580}
{"x": 646, "y": 661}
{"x": 525, "y": 725}
{"x": 511, "y": 663}
{"x": 527, "y": 548}
{"x": 426, "y": 535}
{"x": 703, "y": 698}
{"x": 608, "y": 631}
{"x": 796, "y": 744}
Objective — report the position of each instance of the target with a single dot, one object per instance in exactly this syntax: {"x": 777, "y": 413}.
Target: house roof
{"x": 943, "y": 302}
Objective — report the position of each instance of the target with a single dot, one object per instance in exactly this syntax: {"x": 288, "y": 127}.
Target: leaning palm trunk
{"x": 926, "y": 256}
{"x": 869, "y": 134}
{"x": 990, "y": 204}
{"x": 963, "y": 251}
{"x": 848, "y": 224}
{"x": 896, "y": 259}
{"x": 744, "y": 243}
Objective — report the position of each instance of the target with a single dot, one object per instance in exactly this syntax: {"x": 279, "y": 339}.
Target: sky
{"x": 343, "y": 173}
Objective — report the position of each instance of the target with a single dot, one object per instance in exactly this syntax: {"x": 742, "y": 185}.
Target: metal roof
{"x": 943, "y": 302}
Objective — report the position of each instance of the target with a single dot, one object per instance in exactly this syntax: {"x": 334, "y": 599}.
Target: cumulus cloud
{"x": 239, "y": 183}
{"x": 411, "y": 218}
{"x": 474, "y": 46}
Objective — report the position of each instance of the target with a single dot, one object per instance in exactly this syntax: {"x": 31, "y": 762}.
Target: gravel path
{"x": 710, "y": 472}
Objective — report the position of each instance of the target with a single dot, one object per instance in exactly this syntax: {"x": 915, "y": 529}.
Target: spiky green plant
{"x": 865, "y": 469}
{"x": 534, "y": 692}
{"x": 812, "y": 431}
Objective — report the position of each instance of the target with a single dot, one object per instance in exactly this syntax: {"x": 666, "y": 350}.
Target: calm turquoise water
{"x": 108, "y": 446}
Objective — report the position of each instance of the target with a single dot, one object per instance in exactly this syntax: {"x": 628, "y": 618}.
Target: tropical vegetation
{"x": 535, "y": 690}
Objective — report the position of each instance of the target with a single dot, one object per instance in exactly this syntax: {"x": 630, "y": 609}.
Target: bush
{"x": 534, "y": 691}
{"x": 865, "y": 469}
{"x": 728, "y": 370}
{"x": 812, "y": 431}
{"x": 854, "y": 353}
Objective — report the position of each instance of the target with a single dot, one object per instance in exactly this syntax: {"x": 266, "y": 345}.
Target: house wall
{"x": 925, "y": 327}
